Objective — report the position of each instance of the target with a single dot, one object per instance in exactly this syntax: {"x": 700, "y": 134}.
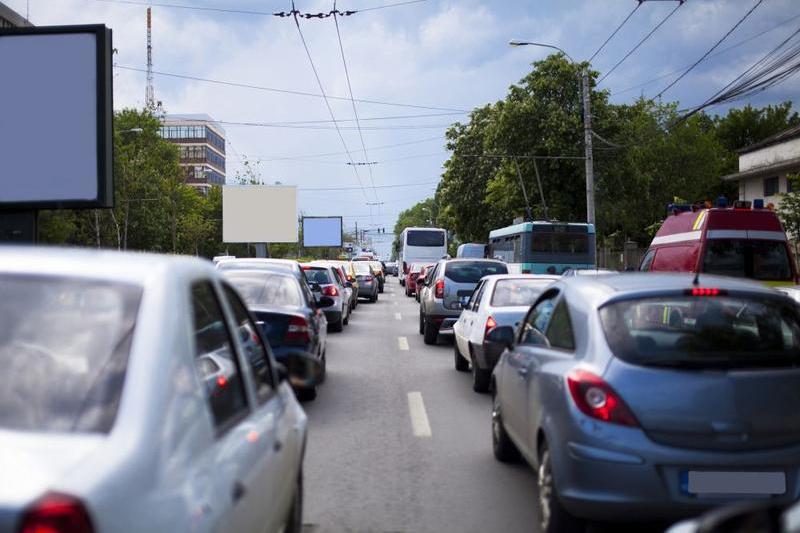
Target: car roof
{"x": 87, "y": 263}
{"x": 497, "y": 277}
{"x": 600, "y": 289}
{"x": 257, "y": 260}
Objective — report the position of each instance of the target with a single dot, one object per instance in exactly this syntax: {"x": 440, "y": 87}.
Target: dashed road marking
{"x": 419, "y": 418}
{"x": 398, "y": 316}
{"x": 395, "y": 303}
{"x": 402, "y": 342}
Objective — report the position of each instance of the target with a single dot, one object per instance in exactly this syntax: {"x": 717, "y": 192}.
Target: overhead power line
{"x": 327, "y": 103}
{"x": 719, "y": 42}
{"x": 638, "y": 5}
{"x": 642, "y": 41}
{"x": 253, "y": 12}
{"x": 353, "y": 102}
{"x": 327, "y": 154}
{"x": 287, "y": 91}
{"x": 718, "y": 52}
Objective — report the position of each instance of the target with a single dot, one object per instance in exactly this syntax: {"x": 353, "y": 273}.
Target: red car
{"x": 411, "y": 278}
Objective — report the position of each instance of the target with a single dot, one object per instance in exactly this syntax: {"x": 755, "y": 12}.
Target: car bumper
{"x": 444, "y": 321}
{"x": 332, "y": 315}
{"x": 598, "y": 478}
{"x": 283, "y": 351}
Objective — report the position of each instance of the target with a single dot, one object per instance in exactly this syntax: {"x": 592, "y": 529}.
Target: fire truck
{"x": 746, "y": 241}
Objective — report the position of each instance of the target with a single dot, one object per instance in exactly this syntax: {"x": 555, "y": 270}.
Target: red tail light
{"x": 595, "y": 398}
{"x": 490, "y": 324}
{"x": 705, "y": 291}
{"x": 350, "y": 278}
{"x": 57, "y": 513}
{"x": 297, "y": 330}
{"x": 439, "y": 289}
{"x": 330, "y": 290}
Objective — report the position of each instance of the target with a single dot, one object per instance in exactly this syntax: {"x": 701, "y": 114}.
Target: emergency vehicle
{"x": 740, "y": 241}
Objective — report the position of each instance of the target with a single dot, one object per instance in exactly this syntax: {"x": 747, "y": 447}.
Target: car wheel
{"x": 346, "y": 319}
{"x": 504, "y": 449}
{"x": 481, "y": 377}
{"x": 294, "y": 524}
{"x": 461, "y": 363}
{"x": 307, "y": 395}
{"x": 421, "y": 324}
{"x": 374, "y": 298}
{"x": 553, "y": 516}
{"x": 323, "y": 360}
{"x": 430, "y": 333}
{"x": 337, "y": 326}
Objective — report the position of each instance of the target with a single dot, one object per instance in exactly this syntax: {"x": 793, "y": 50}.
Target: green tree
{"x": 789, "y": 209}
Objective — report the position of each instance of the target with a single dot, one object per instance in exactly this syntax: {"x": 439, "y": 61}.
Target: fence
{"x": 615, "y": 259}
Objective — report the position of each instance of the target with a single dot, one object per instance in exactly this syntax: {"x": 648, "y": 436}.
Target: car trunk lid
{"x": 276, "y": 324}
{"x": 730, "y": 410}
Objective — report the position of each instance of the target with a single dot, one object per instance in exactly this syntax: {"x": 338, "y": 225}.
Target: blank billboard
{"x": 259, "y": 213}
{"x": 322, "y": 231}
{"x": 55, "y": 130}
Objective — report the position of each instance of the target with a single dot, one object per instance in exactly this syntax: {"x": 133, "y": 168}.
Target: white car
{"x": 498, "y": 300}
{"x": 138, "y": 396}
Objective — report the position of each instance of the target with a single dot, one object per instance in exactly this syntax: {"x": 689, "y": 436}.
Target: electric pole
{"x": 587, "y": 133}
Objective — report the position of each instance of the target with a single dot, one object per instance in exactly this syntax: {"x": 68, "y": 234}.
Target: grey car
{"x": 324, "y": 282}
{"x": 643, "y": 396}
{"x": 367, "y": 282}
{"x": 446, "y": 289}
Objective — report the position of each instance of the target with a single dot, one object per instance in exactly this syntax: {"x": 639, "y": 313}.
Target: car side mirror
{"x": 325, "y": 301}
{"x": 348, "y": 284}
{"x": 501, "y": 337}
{"x": 314, "y": 286}
{"x": 300, "y": 369}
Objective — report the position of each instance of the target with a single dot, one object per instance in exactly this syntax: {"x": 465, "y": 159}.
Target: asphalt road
{"x": 365, "y": 468}
{"x": 399, "y": 442}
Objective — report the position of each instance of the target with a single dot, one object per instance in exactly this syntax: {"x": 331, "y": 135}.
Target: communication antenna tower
{"x": 149, "y": 96}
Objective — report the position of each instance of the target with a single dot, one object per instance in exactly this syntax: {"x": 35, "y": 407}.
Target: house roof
{"x": 789, "y": 165}
{"x": 778, "y": 138}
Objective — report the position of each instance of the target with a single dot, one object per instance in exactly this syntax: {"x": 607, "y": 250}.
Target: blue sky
{"x": 444, "y": 54}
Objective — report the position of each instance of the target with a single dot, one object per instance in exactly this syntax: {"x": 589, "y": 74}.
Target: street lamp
{"x": 587, "y": 125}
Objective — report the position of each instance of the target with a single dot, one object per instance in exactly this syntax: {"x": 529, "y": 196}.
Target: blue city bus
{"x": 544, "y": 247}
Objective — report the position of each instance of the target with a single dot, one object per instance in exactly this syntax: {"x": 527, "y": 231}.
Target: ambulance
{"x": 742, "y": 241}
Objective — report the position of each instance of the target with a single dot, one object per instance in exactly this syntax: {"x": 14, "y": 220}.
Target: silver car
{"x": 643, "y": 396}
{"x": 446, "y": 290}
{"x": 325, "y": 282}
{"x": 138, "y": 396}
{"x": 499, "y": 300}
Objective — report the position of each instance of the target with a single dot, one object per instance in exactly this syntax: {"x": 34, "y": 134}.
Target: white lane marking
{"x": 419, "y": 418}
{"x": 402, "y": 342}
{"x": 398, "y": 316}
{"x": 395, "y": 303}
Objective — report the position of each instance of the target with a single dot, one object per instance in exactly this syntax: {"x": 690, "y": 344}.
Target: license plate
{"x": 733, "y": 483}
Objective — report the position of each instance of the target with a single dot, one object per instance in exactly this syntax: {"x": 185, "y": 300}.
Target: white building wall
{"x": 752, "y": 188}
{"x": 770, "y": 154}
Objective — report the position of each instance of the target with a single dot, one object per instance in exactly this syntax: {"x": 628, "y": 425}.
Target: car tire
{"x": 307, "y": 395}
{"x": 337, "y": 326}
{"x": 421, "y": 324}
{"x": 481, "y": 377}
{"x": 346, "y": 319}
{"x": 504, "y": 449}
{"x": 553, "y": 517}
{"x": 374, "y": 298}
{"x": 294, "y": 523}
{"x": 430, "y": 333}
{"x": 461, "y": 364}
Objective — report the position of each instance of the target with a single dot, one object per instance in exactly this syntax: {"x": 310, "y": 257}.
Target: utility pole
{"x": 357, "y": 243}
{"x": 149, "y": 94}
{"x": 587, "y": 134}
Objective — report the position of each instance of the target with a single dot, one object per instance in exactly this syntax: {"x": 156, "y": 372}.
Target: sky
{"x": 439, "y": 58}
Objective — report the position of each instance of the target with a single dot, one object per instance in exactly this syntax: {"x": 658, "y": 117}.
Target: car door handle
{"x": 238, "y": 491}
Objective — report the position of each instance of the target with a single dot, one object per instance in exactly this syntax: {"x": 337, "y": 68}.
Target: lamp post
{"x": 587, "y": 126}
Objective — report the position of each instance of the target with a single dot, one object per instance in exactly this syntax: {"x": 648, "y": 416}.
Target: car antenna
{"x": 696, "y": 281}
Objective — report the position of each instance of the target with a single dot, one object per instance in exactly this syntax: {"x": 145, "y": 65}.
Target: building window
{"x": 770, "y": 186}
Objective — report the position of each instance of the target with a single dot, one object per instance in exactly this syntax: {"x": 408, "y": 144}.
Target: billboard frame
{"x": 104, "y": 100}
{"x": 341, "y": 231}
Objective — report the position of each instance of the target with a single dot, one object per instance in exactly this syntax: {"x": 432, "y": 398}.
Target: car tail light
{"x": 595, "y": 398}
{"x": 297, "y": 330}
{"x": 56, "y": 513}
{"x": 439, "y": 290}
{"x": 705, "y": 291}
{"x": 350, "y": 278}
{"x": 490, "y": 324}
{"x": 330, "y": 290}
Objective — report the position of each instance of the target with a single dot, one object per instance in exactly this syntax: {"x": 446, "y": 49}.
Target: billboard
{"x": 55, "y": 131}
{"x": 322, "y": 231}
{"x": 259, "y": 213}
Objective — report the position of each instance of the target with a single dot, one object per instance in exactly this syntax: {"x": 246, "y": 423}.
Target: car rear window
{"x": 259, "y": 289}
{"x": 250, "y": 265}
{"x": 515, "y": 292}
{"x": 742, "y": 258}
{"x": 362, "y": 267}
{"x": 704, "y": 331}
{"x": 472, "y": 271}
{"x": 425, "y": 238}
{"x": 318, "y": 275}
{"x": 64, "y": 346}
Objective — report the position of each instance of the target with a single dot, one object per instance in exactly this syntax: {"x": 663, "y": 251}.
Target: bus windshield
{"x": 425, "y": 238}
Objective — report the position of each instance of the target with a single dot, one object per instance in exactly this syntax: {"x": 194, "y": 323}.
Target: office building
{"x": 202, "y": 144}
{"x": 11, "y": 19}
